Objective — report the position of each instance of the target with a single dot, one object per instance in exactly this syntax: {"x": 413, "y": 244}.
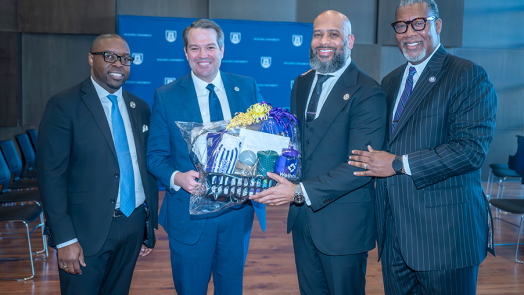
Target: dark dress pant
{"x": 400, "y": 279}
{"x": 221, "y": 251}
{"x": 109, "y": 272}
{"x": 320, "y": 274}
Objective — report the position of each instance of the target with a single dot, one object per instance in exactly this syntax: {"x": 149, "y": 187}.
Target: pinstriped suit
{"x": 439, "y": 212}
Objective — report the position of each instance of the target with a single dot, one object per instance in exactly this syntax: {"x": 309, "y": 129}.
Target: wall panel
{"x": 51, "y": 63}
{"x": 67, "y": 17}
{"x": 9, "y": 15}
{"x": 367, "y": 58}
{"x": 362, "y": 14}
{"x": 165, "y": 8}
{"x": 8, "y": 79}
{"x": 268, "y": 10}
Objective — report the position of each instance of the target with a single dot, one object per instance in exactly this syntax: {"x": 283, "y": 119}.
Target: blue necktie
{"x": 215, "y": 109}
{"x": 127, "y": 176}
{"x": 408, "y": 88}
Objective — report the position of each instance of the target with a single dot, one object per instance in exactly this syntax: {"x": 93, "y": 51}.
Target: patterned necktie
{"x": 215, "y": 109}
{"x": 315, "y": 96}
{"x": 127, "y": 176}
{"x": 408, "y": 88}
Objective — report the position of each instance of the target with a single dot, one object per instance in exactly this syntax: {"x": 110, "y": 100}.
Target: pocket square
{"x": 145, "y": 128}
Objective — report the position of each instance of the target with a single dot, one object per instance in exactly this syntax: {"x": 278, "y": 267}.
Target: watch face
{"x": 398, "y": 164}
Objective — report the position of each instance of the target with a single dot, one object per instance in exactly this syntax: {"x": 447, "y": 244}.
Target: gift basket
{"x": 233, "y": 157}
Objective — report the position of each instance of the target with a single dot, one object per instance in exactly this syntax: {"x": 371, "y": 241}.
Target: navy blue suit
{"x": 436, "y": 220}
{"x": 192, "y": 246}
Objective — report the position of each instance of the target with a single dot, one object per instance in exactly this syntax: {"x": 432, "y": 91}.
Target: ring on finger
{"x": 366, "y": 166}
{"x": 64, "y": 267}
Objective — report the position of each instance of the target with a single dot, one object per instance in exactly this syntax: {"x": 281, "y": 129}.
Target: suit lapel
{"x": 434, "y": 71}
{"x": 234, "y": 98}
{"x": 133, "y": 117}
{"x": 92, "y": 101}
{"x": 303, "y": 89}
{"x": 190, "y": 100}
{"x": 335, "y": 103}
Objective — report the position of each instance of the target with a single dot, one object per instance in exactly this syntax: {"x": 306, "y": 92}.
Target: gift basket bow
{"x": 233, "y": 157}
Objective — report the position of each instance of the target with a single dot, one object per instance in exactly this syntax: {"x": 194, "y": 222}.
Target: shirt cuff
{"x": 306, "y": 198}
{"x": 67, "y": 243}
{"x": 172, "y": 181}
{"x": 405, "y": 162}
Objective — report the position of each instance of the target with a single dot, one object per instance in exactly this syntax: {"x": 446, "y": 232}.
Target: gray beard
{"x": 414, "y": 58}
{"x": 335, "y": 64}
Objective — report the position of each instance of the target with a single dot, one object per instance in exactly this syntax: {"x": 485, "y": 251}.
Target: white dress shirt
{"x": 203, "y": 103}
{"x": 419, "y": 69}
{"x": 107, "y": 104}
{"x": 326, "y": 89}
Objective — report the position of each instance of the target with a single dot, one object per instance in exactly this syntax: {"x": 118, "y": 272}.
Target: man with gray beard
{"x": 331, "y": 211}
{"x": 433, "y": 219}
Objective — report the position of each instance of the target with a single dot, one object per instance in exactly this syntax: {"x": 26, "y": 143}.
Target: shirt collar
{"x": 421, "y": 66}
{"x": 200, "y": 85}
{"x": 104, "y": 93}
{"x": 340, "y": 71}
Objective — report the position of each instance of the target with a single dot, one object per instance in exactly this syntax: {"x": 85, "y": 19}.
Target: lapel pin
{"x": 432, "y": 79}
{"x": 145, "y": 128}
{"x": 237, "y": 89}
{"x": 132, "y": 104}
{"x": 346, "y": 96}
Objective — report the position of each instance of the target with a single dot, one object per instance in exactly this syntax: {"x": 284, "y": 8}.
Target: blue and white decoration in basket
{"x": 273, "y": 53}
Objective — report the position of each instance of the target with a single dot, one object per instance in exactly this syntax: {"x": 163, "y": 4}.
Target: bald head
{"x": 97, "y": 43}
{"x": 335, "y": 16}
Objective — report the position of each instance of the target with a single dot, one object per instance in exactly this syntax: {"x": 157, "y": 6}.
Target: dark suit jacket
{"x": 440, "y": 212}
{"x": 353, "y": 116}
{"x": 167, "y": 150}
{"x": 78, "y": 167}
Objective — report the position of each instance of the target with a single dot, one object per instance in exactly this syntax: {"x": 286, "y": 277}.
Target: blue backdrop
{"x": 273, "y": 53}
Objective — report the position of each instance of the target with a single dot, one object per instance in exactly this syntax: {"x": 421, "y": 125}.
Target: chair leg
{"x": 31, "y": 254}
{"x": 503, "y": 187}
{"x": 518, "y": 240}
{"x": 489, "y": 184}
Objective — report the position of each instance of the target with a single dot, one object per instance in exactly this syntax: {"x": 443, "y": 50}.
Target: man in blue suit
{"x": 215, "y": 244}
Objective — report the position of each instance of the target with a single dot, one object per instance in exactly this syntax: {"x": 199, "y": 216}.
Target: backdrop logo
{"x": 265, "y": 61}
{"x": 235, "y": 37}
{"x": 297, "y": 40}
{"x": 170, "y": 36}
{"x": 292, "y": 82}
{"x": 139, "y": 58}
{"x": 168, "y": 80}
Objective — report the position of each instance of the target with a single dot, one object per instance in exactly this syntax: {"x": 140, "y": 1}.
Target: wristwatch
{"x": 299, "y": 196}
{"x": 397, "y": 165}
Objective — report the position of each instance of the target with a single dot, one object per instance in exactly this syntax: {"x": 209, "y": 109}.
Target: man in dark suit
{"x": 331, "y": 215}
{"x": 93, "y": 177}
{"x": 433, "y": 220}
{"x": 217, "y": 243}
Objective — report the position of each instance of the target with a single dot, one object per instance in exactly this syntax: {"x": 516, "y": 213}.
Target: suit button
{"x": 385, "y": 184}
{"x": 112, "y": 201}
{"x": 307, "y": 142}
{"x": 116, "y": 175}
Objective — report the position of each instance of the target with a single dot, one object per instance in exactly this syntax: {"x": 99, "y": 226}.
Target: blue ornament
{"x": 248, "y": 157}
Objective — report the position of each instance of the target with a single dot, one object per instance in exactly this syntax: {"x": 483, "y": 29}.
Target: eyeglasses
{"x": 110, "y": 57}
{"x": 417, "y": 24}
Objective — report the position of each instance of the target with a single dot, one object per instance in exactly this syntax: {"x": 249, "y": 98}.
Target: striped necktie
{"x": 127, "y": 176}
{"x": 408, "y": 88}
{"x": 315, "y": 96}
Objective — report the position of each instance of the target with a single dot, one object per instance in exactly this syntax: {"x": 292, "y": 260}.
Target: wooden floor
{"x": 270, "y": 267}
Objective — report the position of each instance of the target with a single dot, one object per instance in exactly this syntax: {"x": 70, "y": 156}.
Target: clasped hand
{"x": 375, "y": 163}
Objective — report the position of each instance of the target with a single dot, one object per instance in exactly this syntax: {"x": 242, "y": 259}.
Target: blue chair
{"x": 28, "y": 156}
{"x": 7, "y": 196}
{"x": 15, "y": 167}
{"x": 33, "y": 135}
